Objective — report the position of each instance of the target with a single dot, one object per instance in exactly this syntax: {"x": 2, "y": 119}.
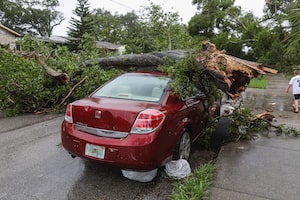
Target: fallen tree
{"x": 60, "y": 76}
{"x": 229, "y": 73}
{"x": 207, "y": 68}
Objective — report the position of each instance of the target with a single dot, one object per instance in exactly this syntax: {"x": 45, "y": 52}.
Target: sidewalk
{"x": 267, "y": 168}
{"x": 12, "y": 123}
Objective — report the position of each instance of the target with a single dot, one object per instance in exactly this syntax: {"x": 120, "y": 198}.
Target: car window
{"x": 135, "y": 87}
{"x": 196, "y": 92}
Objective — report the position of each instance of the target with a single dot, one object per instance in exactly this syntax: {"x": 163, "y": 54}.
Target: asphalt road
{"x": 34, "y": 166}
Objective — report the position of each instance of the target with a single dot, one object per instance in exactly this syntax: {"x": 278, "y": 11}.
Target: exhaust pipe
{"x": 73, "y": 156}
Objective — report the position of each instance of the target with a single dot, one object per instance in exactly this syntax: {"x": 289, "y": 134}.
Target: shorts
{"x": 296, "y": 96}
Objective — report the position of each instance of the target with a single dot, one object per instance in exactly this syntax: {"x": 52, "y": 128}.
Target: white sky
{"x": 185, "y": 8}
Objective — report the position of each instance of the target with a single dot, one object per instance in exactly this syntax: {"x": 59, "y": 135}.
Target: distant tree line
{"x": 272, "y": 39}
{"x": 26, "y": 87}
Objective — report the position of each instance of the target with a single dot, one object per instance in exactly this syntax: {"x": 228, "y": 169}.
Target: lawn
{"x": 259, "y": 82}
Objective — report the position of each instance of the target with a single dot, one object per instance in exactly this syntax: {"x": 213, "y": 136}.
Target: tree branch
{"x": 72, "y": 89}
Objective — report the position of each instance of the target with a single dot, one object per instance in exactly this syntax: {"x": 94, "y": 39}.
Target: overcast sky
{"x": 185, "y": 8}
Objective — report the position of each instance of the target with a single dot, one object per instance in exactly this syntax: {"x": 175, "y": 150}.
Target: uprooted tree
{"x": 206, "y": 69}
{"x": 31, "y": 85}
{"x": 229, "y": 73}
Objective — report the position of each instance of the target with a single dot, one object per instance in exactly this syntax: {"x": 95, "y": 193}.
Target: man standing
{"x": 295, "y": 84}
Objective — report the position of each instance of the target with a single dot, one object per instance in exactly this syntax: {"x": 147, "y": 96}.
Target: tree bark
{"x": 152, "y": 59}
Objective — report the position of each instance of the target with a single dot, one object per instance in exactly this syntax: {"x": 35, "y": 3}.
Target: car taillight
{"x": 68, "y": 114}
{"x": 147, "y": 121}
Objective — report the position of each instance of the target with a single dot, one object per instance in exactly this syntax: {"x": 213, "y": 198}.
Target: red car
{"x": 135, "y": 122}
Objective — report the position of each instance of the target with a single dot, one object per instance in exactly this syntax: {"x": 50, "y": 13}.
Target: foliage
{"x": 188, "y": 74}
{"x": 22, "y": 85}
{"x": 26, "y": 87}
{"x": 243, "y": 126}
{"x": 61, "y": 59}
{"x": 95, "y": 78}
{"x": 288, "y": 131}
{"x": 81, "y": 25}
{"x": 88, "y": 49}
{"x": 36, "y": 18}
{"x": 269, "y": 40}
{"x": 293, "y": 44}
{"x": 172, "y": 34}
{"x": 277, "y": 7}
{"x": 139, "y": 33}
{"x": 205, "y": 139}
{"x": 119, "y": 29}
{"x": 194, "y": 187}
{"x": 111, "y": 28}
{"x": 213, "y": 17}
{"x": 270, "y": 48}
{"x": 224, "y": 25}
{"x": 282, "y": 19}
{"x": 259, "y": 82}
{"x": 266, "y": 40}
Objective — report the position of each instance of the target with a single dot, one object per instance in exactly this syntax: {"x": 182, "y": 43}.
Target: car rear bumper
{"x": 140, "y": 152}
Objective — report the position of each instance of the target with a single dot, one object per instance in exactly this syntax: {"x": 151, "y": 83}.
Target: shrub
{"x": 26, "y": 87}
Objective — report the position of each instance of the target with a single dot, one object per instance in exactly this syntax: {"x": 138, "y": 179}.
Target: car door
{"x": 197, "y": 104}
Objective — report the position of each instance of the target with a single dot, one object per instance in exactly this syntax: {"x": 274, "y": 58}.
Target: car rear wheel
{"x": 183, "y": 147}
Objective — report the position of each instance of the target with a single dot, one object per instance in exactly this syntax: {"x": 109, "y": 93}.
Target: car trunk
{"x": 107, "y": 113}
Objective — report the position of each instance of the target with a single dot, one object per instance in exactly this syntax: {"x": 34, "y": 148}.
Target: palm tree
{"x": 293, "y": 16}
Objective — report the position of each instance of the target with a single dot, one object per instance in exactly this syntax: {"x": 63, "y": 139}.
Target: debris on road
{"x": 178, "y": 169}
{"x": 140, "y": 176}
{"x": 266, "y": 116}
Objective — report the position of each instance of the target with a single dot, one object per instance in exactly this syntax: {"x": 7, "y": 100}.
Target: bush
{"x": 25, "y": 86}
{"x": 21, "y": 84}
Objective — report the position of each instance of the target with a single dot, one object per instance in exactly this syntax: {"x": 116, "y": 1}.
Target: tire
{"x": 221, "y": 134}
{"x": 183, "y": 147}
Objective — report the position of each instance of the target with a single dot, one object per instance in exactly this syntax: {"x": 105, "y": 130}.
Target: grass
{"x": 259, "y": 82}
{"x": 196, "y": 186}
{"x": 289, "y": 76}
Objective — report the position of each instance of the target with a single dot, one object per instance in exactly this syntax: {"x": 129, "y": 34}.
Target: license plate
{"x": 94, "y": 151}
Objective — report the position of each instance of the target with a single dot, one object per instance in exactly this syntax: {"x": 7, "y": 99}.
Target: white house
{"x": 8, "y": 37}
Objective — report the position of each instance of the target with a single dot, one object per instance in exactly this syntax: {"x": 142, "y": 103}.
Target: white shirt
{"x": 295, "y": 82}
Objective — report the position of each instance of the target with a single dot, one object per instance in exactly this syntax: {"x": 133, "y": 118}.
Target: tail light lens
{"x": 147, "y": 121}
{"x": 68, "y": 114}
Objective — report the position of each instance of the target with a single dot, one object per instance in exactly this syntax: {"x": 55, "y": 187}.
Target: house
{"x": 8, "y": 37}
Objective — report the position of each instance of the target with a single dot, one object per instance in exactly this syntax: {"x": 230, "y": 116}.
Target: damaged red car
{"x": 135, "y": 121}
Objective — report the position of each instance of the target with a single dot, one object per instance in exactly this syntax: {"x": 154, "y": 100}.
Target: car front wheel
{"x": 183, "y": 147}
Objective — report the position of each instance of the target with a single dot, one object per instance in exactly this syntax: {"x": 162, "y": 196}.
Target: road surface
{"x": 35, "y": 166}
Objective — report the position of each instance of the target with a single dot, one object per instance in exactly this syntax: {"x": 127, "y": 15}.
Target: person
{"x": 295, "y": 84}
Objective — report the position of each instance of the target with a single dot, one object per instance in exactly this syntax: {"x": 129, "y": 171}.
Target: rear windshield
{"x": 135, "y": 87}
